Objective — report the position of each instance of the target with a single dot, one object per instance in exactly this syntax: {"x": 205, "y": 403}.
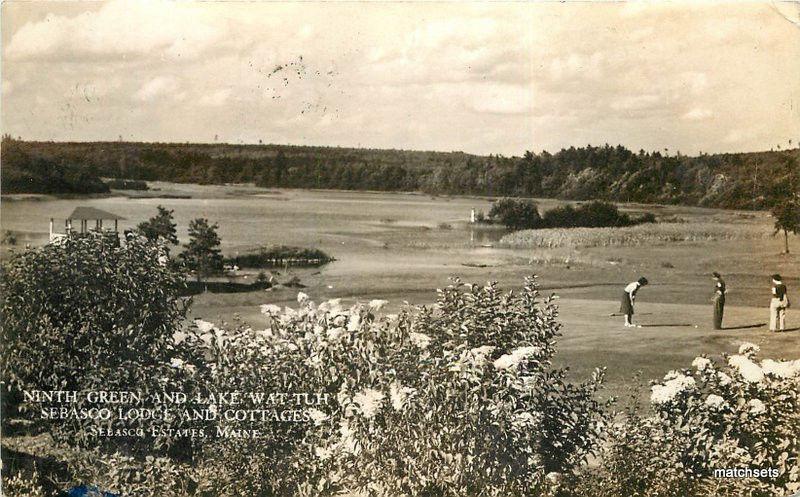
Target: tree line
{"x": 753, "y": 180}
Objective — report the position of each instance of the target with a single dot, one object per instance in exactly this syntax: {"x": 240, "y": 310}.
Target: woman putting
{"x": 628, "y": 297}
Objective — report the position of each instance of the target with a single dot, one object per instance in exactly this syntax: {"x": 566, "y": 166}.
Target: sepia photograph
{"x": 399, "y": 248}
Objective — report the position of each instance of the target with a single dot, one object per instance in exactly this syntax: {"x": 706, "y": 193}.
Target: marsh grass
{"x": 645, "y": 234}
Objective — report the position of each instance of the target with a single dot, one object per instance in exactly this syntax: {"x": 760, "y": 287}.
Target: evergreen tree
{"x": 160, "y": 226}
{"x": 202, "y": 254}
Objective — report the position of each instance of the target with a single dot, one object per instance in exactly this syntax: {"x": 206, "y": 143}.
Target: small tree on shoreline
{"x": 202, "y": 253}
{"x": 787, "y": 219}
{"x": 160, "y": 226}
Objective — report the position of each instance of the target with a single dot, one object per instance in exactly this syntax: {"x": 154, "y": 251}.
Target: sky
{"x": 479, "y": 77}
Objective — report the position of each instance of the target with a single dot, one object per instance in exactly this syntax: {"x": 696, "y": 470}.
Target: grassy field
{"x": 401, "y": 247}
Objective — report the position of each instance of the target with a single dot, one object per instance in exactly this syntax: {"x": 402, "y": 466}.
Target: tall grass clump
{"x": 631, "y": 236}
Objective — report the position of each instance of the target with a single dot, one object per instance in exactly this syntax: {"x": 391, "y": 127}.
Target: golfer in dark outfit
{"x": 628, "y": 297}
{"x": 719, "y": 300}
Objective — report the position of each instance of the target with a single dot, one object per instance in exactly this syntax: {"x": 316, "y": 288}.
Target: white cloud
{"x": 502, "y": 99}
{"x": 698, "y": 114}
{"x": 216, "y": 98}
{"x": 636, "y": 102}
{"x": 119, "y": 28}
{"x": 486, "y": 77}
{"x": 157, "y": 87}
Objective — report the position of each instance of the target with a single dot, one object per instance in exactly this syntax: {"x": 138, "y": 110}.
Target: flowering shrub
{"x": 92, "y": 314}
{"x": 457, "y": 399}
{"x": 739, "y": 414}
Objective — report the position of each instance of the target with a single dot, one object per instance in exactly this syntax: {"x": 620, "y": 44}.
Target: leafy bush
{"x": 515, "y": 213}
{"x": 457, "y": 399}
{"x": 742, "y": 414}
{"x": 590, "y": 215}
{"x": 20, "y": 484}
{"x": 91, "y": 314}
{"x": 126, "y": 476}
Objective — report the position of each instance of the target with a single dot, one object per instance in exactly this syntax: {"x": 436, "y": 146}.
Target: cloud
{"x": 698, "y": 114}
{"x": 215, "y": 99}
{"x": 157, "y": 87}
{"x": 636, "y": 102}
{"x": 502, "y": 99}
{"x": 119, "y": 28}
{"x": 480, "y": 77}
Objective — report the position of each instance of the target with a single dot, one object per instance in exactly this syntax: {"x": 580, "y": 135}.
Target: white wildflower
{"x": 263, "y": 333}
{"x": 781, "y": 369}
{"x": 553, "y": 477}
{"x": 672, "y": 374}
{"x": 369, "y": 401}
{"x": 335, "y": 333}
{"x": 757, "y": 407}
{"x": 317, "y": 416}
{"x": 377, "y": 304}
{"x": 724, "y": 379}
{"x": 179, "y": 337}
{"x": 749, "y": 370}
{"x": 714, "y": 400}
{"x": 333, "y": 305}
{"x": 398, "y": 394}
{"x": 323, "y": 453}
{"x": 513, "y": 359}
{"x": 270, "y": 309}
{"x": 478, "y": 355}
{"x": 354, "y": 323}
{"x": 749, "y": 349}
{"x": 176, "y": 362}
{"x": 701, "y": 363}
{"x": 203, "y": 326}
{"x": 302, "y": 298}
{"x": 661, "y": 394}
{"x": 421, "y": 340}
{"x": 340, "y": 320}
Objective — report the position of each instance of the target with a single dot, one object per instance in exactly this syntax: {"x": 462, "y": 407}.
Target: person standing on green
{"x": 778, "y": 304}
{"x": 719, "y": 299}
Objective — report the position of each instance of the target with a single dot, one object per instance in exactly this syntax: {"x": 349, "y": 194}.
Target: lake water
{"x": 373, "y": 236}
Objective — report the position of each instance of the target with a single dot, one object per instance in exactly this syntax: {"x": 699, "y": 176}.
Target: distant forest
{"x": 742, "y": 180}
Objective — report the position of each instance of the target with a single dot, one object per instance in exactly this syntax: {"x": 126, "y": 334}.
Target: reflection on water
{"x": 481, "y": 234}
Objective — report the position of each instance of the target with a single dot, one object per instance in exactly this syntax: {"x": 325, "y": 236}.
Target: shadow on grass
{"x": 744, "y": 327}
{"x": 49, "y": 469}
{"x": 665, "y": 325}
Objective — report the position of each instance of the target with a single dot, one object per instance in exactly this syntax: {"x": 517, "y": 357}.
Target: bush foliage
{"x": 520, "y": 214}
{"x": 458, "y": 399}
{"x": 91, "y": 314}
{"x": 741, "y": 414}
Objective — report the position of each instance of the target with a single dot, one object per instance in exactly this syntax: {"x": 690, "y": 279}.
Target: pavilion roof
{"x": 88, "y": 213}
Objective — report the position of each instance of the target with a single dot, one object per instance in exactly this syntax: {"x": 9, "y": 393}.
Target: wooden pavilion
{"x": 86, "y": 215}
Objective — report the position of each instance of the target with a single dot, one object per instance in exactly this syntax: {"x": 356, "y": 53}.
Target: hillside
{"x": 745, "y": 180}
